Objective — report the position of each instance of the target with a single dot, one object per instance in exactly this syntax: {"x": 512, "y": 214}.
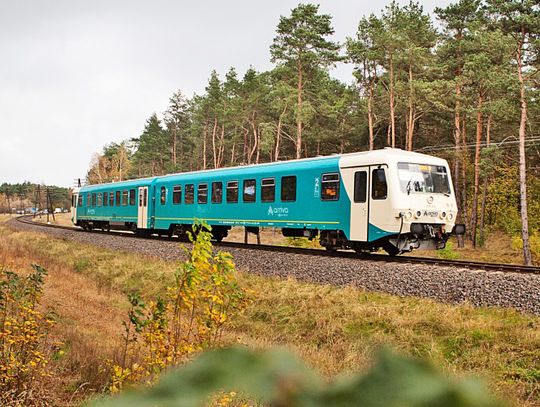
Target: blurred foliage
{"x": 448, "y": 253}
{"x": 277, "y": 378}
{"x": 189, "y": 318}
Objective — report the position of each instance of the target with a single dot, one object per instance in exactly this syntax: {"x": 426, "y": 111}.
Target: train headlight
{"x": 408, "y": 215}
{"x": 442, "y": 215}
{"x": 450, "y": 216}
{"x": 418, "y": 214}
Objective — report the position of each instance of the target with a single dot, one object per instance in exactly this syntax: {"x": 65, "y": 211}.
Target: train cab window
{"x": 124, "y": 198}
{"x": 80, "y": 200}
{"x": 217, "y": 192}
{"x": 268, "y": 190}
{"x": 249, "y": 190}
{"x": 111, "y": 198}
{"x": 190, "y": 193}
{"x": 163, "y": 198}
{"x": 232, "y": 192}
{"x": 288, "y": 188}
{"x": 105, "y": 199}
{"x": 379, "y": 189}
{"x": 202, "y": 193}
{"x": 177, "y": 194}
{"x": 360, "y": 186}
{"x": 330, "y": 187}
{"x": 94, "y": 200}
{"x": 132, "y": 197}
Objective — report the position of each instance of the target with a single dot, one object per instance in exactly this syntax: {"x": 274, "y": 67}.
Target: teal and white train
{"x": 391, "y": 199}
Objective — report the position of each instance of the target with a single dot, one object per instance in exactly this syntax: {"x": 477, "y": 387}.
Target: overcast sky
{"x": 76, "y": 75}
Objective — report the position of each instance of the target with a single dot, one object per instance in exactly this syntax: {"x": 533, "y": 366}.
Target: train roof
{"x": 374, "y": 157}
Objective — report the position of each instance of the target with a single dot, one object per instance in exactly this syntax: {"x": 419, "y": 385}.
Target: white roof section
{"x": 387, "y": 156}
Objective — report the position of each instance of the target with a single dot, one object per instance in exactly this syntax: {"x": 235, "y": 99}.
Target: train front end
{"x": 425, "y": 208}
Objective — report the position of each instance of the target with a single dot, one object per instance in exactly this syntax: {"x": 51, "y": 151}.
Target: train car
{"x": 391, "y": 199}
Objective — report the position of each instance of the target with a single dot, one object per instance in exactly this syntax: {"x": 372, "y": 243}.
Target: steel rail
{"x": 465, "y": 264}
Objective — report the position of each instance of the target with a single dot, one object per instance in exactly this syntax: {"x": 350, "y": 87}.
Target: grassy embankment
{"x": 336, "y": 330}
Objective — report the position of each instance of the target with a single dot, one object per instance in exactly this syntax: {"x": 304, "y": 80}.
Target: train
{"x": 386, "y": 199}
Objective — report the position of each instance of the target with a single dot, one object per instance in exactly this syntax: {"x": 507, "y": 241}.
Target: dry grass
{"x": 336, "y": 330}
{"x": 63, "y": 219}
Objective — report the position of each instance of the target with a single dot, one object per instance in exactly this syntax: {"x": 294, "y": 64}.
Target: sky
{"x": 76, "y": 75}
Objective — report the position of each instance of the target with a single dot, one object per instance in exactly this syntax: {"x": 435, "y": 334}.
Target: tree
{"x": 302, "y": 42}
{"x": 520, "y": 19}
{"x": 177, "y": 121}
{"x": 151, "y": 156}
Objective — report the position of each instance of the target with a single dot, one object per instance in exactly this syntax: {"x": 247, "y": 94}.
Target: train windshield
{"x": 425, "y": 178}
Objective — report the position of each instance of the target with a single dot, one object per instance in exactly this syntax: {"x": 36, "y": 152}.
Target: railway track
{"x": 465, "y": 264}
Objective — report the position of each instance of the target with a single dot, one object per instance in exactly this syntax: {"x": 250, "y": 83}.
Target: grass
{"x": 336, "y": 330}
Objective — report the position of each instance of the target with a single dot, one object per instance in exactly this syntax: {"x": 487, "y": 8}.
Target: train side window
{"x": 88, "y": 200}
{"x": 330, "y": 187}
{"x": 177, "y": 194}
{"x": 118, "y": 198}
{"x": 249, "y": 190}
{"x": 111, "y": 198}
{"x": 379, "y": 189}
{"x": 163, "y": 196}
{"x": 288, "y": 188}
{"x": 94, "y": 199}
{"x": 232, "y": 192}
{"x": 105, "y": 199}
{"x": 124, "y": 198}
{"x": 268, "y": 190}
{"x": 217, "y": 192}
{"x": 132, "y": 197}
{"x": 99, "y": 199}
{"x": 80, "y": 200}
{"x": 202, "y": 193}
{"x": 190, "y": 194}
{"x": 360, "y": 186}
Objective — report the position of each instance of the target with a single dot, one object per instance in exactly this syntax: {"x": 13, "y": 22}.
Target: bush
{"x": 24, "y": 349}
{"x": 190, "y": 318}
{"x": 448, "y": 253}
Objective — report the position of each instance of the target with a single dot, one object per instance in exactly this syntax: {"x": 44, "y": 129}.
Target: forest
{"x": 461, "y": 83}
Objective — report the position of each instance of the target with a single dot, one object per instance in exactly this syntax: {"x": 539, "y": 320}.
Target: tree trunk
{"x": 485, "y": 186}
{"x": 410, "y": 119}
{"x": 214, "y": 151}
{"x": 174, "y": 146}
{"x": 278, "y": 134}
{"x": 370, "y": 115}
{"x": 523, "y": 163}
{"x": 392, "y": 107}
{"x": 474, "y": 209}
{"x": 464, "y": 206}
{"x": 299, "y": 113}
{"x": 205, "y": 131}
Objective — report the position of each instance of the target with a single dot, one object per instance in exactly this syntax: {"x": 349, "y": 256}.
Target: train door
{"x": 142, "y": 217}
{"x": 74, "y": 204}
{"x": 381, "y": 218}
{"x": 356, "y": 181}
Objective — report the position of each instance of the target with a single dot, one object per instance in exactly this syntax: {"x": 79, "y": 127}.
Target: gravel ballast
{"x": 442, "y": 283}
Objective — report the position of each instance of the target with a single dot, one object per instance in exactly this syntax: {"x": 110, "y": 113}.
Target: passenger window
{"x": 111, "y": 198}
{"x": 177, "y": 194}
{"x": 80, "y": 200}
{"x": 105, "y": 198}
{"x": 249, "y": 190}
{"x": 360, "y": 186}
{"x": 217, "y": 192}
{"x": 99, "y": 199}
{"x": 118, "y": 198}
{"x": 379, "y": 189}
{"x": 330, "y": 187}
{"x": 132, "y": 197}
{"x": 268, "y": 190}
{"x": 232, "y": 192}
{"x": 202, "y": 193}
{"x": 288, "y": 188}
{"x": 124, "y": 198}
{"x": 163, "y": 196}
{"x": 88, "y": 200}
{"x": 190, "y": 193}
{"x": 94, "y": 200}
